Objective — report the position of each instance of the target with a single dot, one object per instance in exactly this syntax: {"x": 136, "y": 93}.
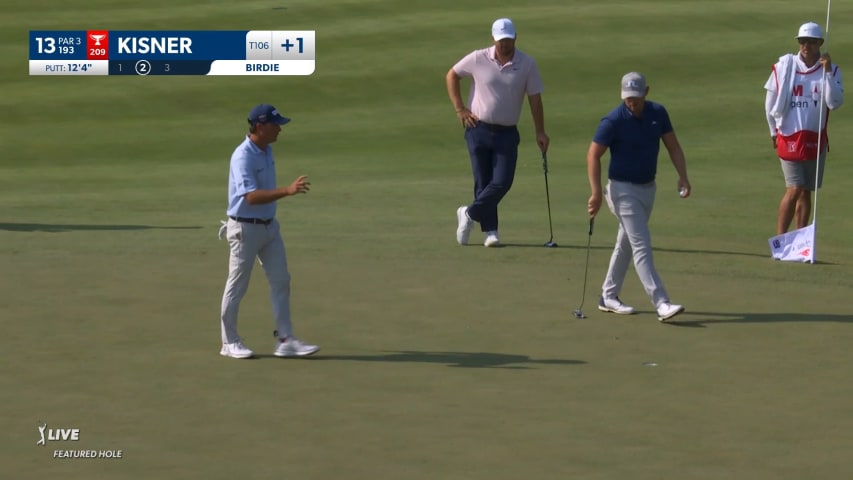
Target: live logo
{"x": 72, "y": 434}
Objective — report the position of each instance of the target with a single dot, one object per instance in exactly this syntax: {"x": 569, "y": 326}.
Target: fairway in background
{"x": 438, "y": 361}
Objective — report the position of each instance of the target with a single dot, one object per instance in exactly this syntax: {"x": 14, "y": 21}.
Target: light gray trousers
{"x": 249, "y": 241}
{"x": 632, "y": 204}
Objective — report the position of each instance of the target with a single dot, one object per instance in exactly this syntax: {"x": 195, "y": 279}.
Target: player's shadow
{"x": 58, "y": 227}
{"x": 453, "y": 359}
{"x": 568, "y": 246}
{"x": 712, "y": 252}
{"x": 558, "y": 247}
{"x": 713, "y": 318}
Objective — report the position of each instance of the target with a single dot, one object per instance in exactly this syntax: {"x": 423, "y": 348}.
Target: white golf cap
{"x": 633, "y": 85}
{"x": 810, "y": 30}
{"x": 503, "y": 28}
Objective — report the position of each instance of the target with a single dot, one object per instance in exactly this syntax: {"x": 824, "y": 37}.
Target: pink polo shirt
{"x": 497, "y": 91}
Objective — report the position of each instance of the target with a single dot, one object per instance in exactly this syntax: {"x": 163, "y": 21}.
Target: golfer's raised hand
{"x": 300, "y": 185}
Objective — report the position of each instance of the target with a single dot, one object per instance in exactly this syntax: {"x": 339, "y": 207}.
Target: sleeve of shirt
{"x": 666, "y": 123}
{"x": 465, "y": 67}
{"x": 606, "y": 132}
{"x": 534, "y": 80}
{"x": 243, "y": 174}
{"x": 835, "y": 90}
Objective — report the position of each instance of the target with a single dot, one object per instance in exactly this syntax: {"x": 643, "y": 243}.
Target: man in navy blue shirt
{"x": 633, "y": 132}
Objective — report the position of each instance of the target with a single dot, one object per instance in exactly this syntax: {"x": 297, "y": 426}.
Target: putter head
{"x": 578, "y": 314}
{"x": 551, "y": 244}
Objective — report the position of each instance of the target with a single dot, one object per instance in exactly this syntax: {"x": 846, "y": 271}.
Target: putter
{"x": 579, "y": 312}
{"x": 550, "y": 243}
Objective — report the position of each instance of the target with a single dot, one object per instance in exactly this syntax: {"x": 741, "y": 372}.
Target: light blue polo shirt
{"x": 251, "y": 169}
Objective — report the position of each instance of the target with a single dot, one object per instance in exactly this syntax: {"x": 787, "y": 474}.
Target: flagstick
{"x": 813, "y": 256}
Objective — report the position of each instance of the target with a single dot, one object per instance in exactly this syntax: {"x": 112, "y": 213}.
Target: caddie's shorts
{"x": 802, "y": 174}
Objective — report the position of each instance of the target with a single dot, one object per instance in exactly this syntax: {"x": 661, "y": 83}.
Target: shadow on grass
{"x": 712, "y": 252}
{"x": 656, "y": 249}
{"x": 540, "y": 245}
{"x": 450, "y": 359}
{"x": 54, "y": 228}
{"x": 718, "y": 317}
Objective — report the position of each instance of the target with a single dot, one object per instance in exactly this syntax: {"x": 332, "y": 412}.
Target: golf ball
{"x": 682, "y": 193}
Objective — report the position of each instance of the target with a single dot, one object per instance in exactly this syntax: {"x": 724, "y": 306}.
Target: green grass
{"x": 438, "y": 362}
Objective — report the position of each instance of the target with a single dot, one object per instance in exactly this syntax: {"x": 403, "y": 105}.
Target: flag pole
{"x": 819, "y": 166}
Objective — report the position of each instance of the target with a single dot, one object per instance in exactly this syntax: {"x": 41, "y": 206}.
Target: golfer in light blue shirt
{"x": 254, "y": 233}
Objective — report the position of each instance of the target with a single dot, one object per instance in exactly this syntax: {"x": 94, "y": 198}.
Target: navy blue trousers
{"x": 494, "y": 154}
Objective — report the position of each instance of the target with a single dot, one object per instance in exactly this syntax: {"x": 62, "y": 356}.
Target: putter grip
{"x": 591, "y": 223}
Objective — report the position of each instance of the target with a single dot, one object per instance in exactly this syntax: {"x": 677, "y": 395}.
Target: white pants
{"x": 249, "y": 241}
{"x": 632, "y": 204}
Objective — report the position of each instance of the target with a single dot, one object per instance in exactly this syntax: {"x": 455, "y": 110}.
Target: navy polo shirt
{"x": 634, "y": 142}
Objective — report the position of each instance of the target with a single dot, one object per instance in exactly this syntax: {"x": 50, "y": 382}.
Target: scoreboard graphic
{"x": 193, "y": 52}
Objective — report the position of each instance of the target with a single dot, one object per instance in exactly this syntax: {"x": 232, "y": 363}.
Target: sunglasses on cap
{"x": 810, "y": 41}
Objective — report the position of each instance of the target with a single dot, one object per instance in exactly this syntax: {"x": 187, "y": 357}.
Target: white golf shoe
{"x": 464, "y": 224}
{"x": 668, "y": 310}
{"x": 293, "y": 347}
{"x": 614, "y": 305}
{"x": 235, "y": 350}
{"x": 492, "y": 239}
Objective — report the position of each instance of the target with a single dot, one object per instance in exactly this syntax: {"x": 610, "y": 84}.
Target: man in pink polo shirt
{"x": 501, "y": 76}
